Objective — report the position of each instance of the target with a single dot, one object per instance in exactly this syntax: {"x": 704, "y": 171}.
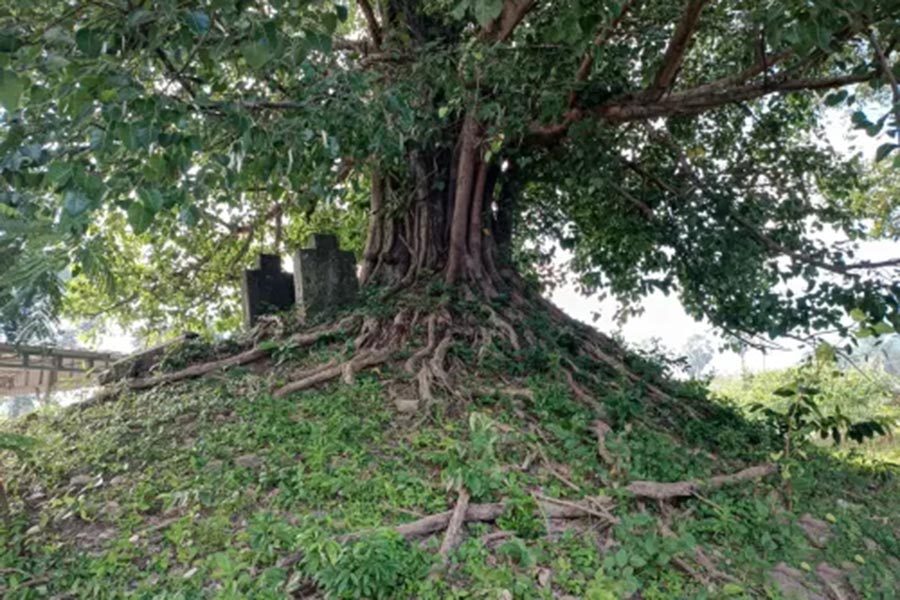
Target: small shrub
{"x": 378, "y": 566}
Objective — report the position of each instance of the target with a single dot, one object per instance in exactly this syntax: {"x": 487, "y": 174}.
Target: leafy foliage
{"x": 150, "y": 149}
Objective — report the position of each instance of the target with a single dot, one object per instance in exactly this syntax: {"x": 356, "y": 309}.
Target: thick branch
{"x": 511, "y": 15}
{"x": 605, "y": 33}
{"x": 371, "y": 22}
{"x": 696, "y": 101}
{"x": 465, "y": 181}
{"x": 889, "y": 73}
{"x": 689, "y": 102}
{"x": 683, "y": 489}
{"x": 676, "y": 50}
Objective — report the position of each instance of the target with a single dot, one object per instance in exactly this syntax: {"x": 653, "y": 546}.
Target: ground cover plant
{"x": 216, "y": 487}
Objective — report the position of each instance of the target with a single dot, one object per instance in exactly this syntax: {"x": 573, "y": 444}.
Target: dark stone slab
{"x": 324, "y": 276}
{"x": 266, "y": 289}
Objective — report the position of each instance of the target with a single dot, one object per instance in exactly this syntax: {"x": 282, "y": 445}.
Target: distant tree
{"x": 880, "y": 352}
{"x": 698, "y": 352}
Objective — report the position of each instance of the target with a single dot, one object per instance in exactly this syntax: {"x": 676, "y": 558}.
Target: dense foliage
{"x": 851, "y": 395}
{"x": 150, "y": 148}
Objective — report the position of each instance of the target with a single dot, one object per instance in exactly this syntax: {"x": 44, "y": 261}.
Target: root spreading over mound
{"x": 428, "y": 345}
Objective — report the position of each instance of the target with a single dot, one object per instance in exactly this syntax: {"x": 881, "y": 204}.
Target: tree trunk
{"x": 438, "y": 219}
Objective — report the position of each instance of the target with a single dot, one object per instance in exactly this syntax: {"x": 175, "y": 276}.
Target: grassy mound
{"x": 212, "y": 488}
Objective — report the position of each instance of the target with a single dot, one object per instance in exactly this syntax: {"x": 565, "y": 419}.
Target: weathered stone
{"x": 249, "y": 461}
{"x": 836, "y": 581}
{"x": 324, "y": 276}
{"x": 266, "y": 289}
{"x": 406, "y": 405}
{"x": 794, "y": 584}
{"x": 80, "y": 480}
{"x": 139, "y": 363}
{"x": 213, "y": 465}
{"x": 817, "y": 531}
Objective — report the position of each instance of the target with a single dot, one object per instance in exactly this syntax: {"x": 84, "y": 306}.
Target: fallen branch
{"x": 324, "y": 375}
{"x": 601, "y": 430}
{"x": 683, "y": 489}
{"x": 243, "y": 358}
{"x": 454, "y": 526}
{"x": 246, "y": 357}
{"x": 475, "y": 513}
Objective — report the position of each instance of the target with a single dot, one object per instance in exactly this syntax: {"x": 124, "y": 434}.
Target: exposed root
{"x": 366, "y": 360}
{"x": 474, "y": 513}
{"x": 593, "y": 506}
{"x": 683, "y": 489}
{"x": 483, "y": 513}
{"x": 424, "y": 378}
{"x": 454, "y": 526}
{"x": 508, "y": 329}
{"x": 243, "y": 358}
{"x": 436, "y": 364}
{"x": 427, "y": 349}
{"x": 249, "y": 356}
{"x": 601, "y": 430}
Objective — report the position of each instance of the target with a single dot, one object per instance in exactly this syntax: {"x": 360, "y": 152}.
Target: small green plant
{"x": 474, "y": 465}
{"x": 377, "y": 566}
{"x": 281, "y": 351}
{"x": 21, "y": 446}
{"x": 799, "y": 416}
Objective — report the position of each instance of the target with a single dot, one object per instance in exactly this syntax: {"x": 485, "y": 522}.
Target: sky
{"x": 663, "y": 317}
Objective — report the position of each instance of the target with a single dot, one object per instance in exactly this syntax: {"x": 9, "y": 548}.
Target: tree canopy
{"x": 149, "y": 148}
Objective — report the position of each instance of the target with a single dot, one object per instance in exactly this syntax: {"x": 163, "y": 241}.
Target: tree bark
{"x": 437, "y": 218}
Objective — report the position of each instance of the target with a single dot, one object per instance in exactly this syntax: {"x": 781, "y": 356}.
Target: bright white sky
{"x": 664, "y": 317}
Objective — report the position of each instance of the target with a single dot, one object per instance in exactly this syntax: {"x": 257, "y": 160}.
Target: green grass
{"x": 197, "y": 491}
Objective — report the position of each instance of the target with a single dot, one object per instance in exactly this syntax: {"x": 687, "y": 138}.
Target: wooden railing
{"x": 43, "y": 369}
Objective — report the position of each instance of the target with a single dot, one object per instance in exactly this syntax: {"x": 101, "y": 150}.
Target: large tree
{"x": 151, "y": 147}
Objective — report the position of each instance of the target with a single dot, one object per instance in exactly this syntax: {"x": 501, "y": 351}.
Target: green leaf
{"x": 256, "y": 54}
{"x": 858, "y": 315}
{"x": 11, "y": 88}
{"x": 139, "y": 217}
{"x": 883, "y": 328}
{"x": 75, "y": 202}
{"x": 342, "y": 12}
{"x": 859, "y": 119}
{"x": 58, "y": 173}
{"x": 487, "y": 10}
{"x": 139, "y": 17}
{"x": 836, "y": 98}
{"x": 198, "y": 21}
{"x": 189, "y": 215}
{"x": 459, "y": 11}
{"x": 89, "y": 41}
{"x": 884, "y": 150}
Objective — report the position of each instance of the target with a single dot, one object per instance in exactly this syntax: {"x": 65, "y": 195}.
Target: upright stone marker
{"x": 266, "y": 289}
{"x": 324, "y": 276}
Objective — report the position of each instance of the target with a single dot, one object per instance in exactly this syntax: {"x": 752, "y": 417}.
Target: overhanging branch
{"x": 604, "y": 34}
{"x": 676, "y": 50}
{"x": 689, "y": 102}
